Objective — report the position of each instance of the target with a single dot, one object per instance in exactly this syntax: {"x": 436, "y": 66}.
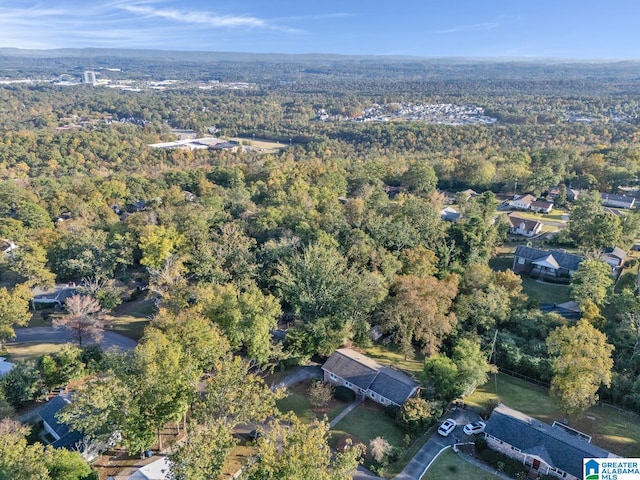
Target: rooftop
{"x": 556, "y": 446}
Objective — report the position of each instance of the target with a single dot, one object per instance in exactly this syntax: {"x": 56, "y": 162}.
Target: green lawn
{"x": 554, "y": 216}
{"x": 389, "y": 355}
{"x": 613, "y": 430}
{"x": 131, "y": 318}
{"x": 22, "y": 352}
{"x": 501, "y": 263}
{"x": 545, "y": 292}
{"x": 368, "y": 422}
{"x": 526, "y": 397}
{"x": 450, "y": 465}
{"x": 296, "y": 402}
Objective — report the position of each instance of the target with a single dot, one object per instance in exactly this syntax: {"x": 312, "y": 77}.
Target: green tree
{"x": 158, "y": 243}
{"x": 21, "y": 385}
{"x": 235, "y": 394}
{"x": 317, "y": 282}
{"x": 165, "y": 381}
{"x": 440, "y": 377}
{"x": 301, "y": 451}
{"x": 582, "y": 363}
{"x": 247, "y": 317}
{"x": 416, "y": 415}
{"x": 591, "y": 226}
{"x": 18, "y": 460}
{"x": 201, "y": 456}
{"x": 472, "y": 362}
{"x": 67, "y": 465}
{"x": 14, "y": 310}
{"x": 420, "y": 177}
{"x": 592, "y": 282}
{"x": 203, "y": 342}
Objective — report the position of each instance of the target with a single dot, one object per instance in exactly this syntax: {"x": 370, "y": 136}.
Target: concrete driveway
{"x": 416, "y": 467}
{"x": 62, "y": 335}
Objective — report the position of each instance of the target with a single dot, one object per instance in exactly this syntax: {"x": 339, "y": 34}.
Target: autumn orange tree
{"x": 418, "y": 310}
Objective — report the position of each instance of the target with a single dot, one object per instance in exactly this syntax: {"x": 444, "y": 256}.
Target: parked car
{"x": 473, "y": 428}
{"x": 447, "y": 427}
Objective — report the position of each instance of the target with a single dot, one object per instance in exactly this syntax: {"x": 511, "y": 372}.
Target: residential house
{"x": 449, "y": 214}
{"x": 569, "y": 310}
{"x": 541, "y": 206}
{"x": 55, "y": 296}
{"x": 137, "y": 206}
{"x": 548, "y": 449}
{"x": 523, "y": 202}
{"x": 158, "y": 470}
{"x": 614, "y": 256}
{"x": 552, "y": 263}
{"x": 5, "y": 367}
{"x": 617, "y": 201}
{"x": 7, "y": 246}
{"x": 368, "y": 378}
{"x": 469, "y": 193}
{"x": 64, "y": 437}
{"x": 523, "y": 226}
{"x": 571, "y": 193}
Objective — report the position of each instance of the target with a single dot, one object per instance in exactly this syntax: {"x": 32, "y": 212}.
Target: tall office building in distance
{"x": 89, "y": 77}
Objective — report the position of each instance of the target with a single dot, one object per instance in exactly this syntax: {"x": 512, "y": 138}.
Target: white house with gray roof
{"x": 617, "y": 201}
{"x": 552, "y": 263}
{"x": 368, "y": 379}
{"x": 548, "y": 449}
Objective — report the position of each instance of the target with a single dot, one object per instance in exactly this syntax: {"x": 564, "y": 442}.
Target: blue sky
{"x": 472, "y": 28}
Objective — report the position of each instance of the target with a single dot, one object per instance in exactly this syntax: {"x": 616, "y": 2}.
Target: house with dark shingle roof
{"x": 64, "y": 437}
{"x": 538, "y": 262}
{"x": 523, "y": 226}
{"x": 368, "y": 379}
{"x": 614, "y": 256}
{"x": 617, "y": 201}
{"x": 547, "y": 449}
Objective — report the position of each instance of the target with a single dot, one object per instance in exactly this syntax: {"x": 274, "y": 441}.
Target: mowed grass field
{"x": 615, "y": 430}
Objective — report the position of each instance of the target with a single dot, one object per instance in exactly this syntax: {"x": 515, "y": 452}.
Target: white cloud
{"x": 203, "y": 18}
{"x": 119, "y": 23}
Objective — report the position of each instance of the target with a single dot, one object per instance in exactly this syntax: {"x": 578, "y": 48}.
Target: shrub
{"x": 501, "y": 462}
{"x": 393, "y": 411}
{"x": 480, "y": 444}
{"x": 320, "y": 394}
{"x": 379, "y": 449}
{"x": 344, "y": 394}
{"x": 415, "y": 415}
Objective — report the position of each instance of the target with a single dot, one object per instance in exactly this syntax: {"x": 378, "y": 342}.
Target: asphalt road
{"x": 62, "y": 335}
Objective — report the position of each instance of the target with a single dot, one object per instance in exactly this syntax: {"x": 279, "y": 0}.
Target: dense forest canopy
{"x": 336, "y": 228}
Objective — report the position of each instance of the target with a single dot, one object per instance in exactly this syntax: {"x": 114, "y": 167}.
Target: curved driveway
{"x": 62, "y": 335}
